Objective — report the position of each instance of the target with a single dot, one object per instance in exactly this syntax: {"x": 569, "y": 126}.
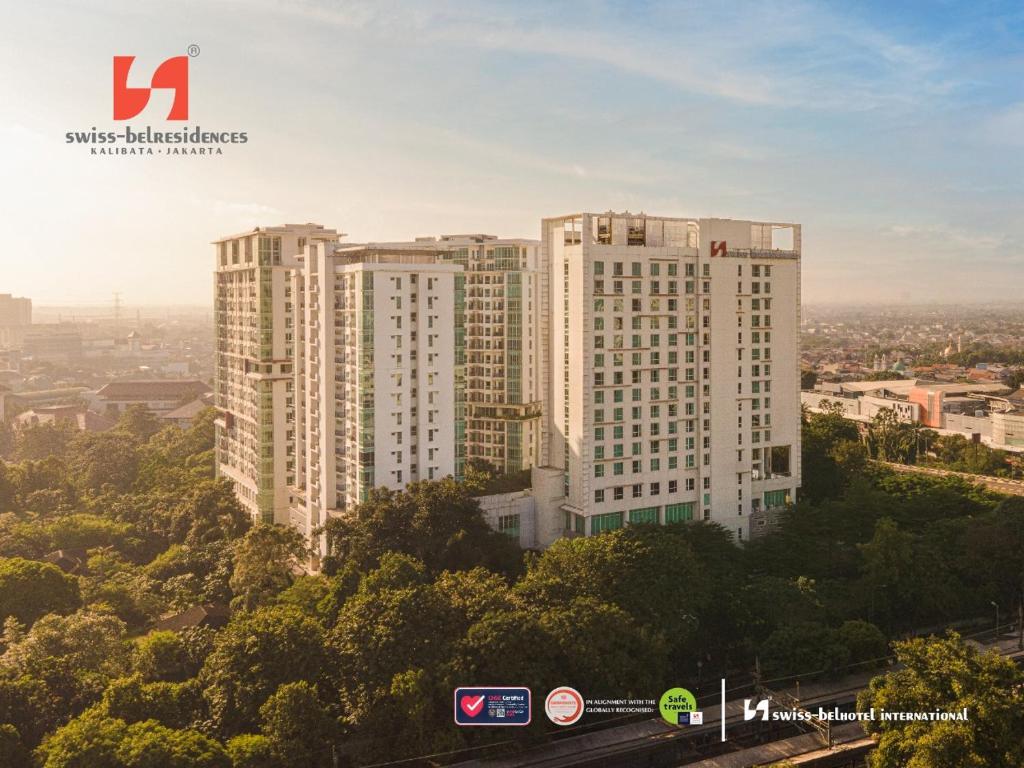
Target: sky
{"x": 893, "y": 132}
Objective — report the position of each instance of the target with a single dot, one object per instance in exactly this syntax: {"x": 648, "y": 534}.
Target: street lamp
{"x": 995, "y": 605}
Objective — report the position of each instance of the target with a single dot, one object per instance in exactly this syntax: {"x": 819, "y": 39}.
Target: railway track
{"x": 653, "y": 743}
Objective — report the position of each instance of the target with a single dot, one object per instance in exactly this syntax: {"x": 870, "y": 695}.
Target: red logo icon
{"x": 472, "y": 705}
{"x": 172, "y": 74}
{"x": 718, "y": 248}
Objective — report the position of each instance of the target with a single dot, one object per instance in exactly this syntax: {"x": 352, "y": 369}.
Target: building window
{"x": 509, "y": 525}
{"x": 646, "y": 515}
{"x": 678, "y": 513}
{"x": 609, "y": 521}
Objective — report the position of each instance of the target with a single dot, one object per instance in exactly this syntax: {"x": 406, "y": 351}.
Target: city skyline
{"x": 892, "y": 135}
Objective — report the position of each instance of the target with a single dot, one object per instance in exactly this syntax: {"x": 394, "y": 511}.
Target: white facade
{"x": 504, "y": 341}
{"x": 254, "y": 377}
{"x": 379, "y": 376}
{"x": 646, "y": 368}
{"x": 674, "y": 369}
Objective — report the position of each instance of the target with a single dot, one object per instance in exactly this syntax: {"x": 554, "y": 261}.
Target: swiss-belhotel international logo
{"x": 141, "y": 128}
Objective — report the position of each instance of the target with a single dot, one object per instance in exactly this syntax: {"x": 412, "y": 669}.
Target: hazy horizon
{"x": 892, "y": 134}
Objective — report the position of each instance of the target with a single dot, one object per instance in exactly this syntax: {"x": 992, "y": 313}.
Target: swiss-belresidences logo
{"x": 168, "y": 135}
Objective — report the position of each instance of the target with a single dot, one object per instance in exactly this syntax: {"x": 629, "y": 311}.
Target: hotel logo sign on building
{"x": 171, "y": 75}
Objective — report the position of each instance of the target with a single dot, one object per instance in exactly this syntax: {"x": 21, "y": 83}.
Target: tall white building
{"x": 651, "y": 362}
{"x": 379, "y": 375}
{"x": 505, "y": 343}
{"x": 254, "y": 376}
{"x": 505, "y": 349}
{"x": 674, "y": 369}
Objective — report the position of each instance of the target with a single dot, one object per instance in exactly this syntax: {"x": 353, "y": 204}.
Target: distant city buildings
{"x": 83, "y": 366}
{"x": 645, "y": 368}
{"x": 158, "y": 396}
{"x": 77, "y": 415}
{"x": 15, "y": 319}
{"x": 988, "y": 413}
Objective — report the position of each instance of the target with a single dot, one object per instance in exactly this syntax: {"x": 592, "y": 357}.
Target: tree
{"x": 829, "y": 448}
{"x": 30, "y": 589}
{"x": 111, "y": 580}
{"x": 773, "y": 602}
{"x": 88, "y": 741}
{"x": 43, "y": 441}
{"x": 175, "y": 705}
{"x": 481, "y": 478}
{"x": 210, "y": 512}
{"x": 13, "y": 750}
{"x": 85, "y": 531}
{"x": 947, "y": 675}
{"x": 139, "y": 422}
{"x": 254, "y": 655}
{"x": 889, "y": 439}
{"x": 27, "y": 705}
{"x": 299, "y": 727}
{"x": 893, "y": 576}
{"x": 437, "y": 522}
{"x": 807, "y": 650}
{"x": 264, "y": 560}
{"x": 75, "y": 656}
{"x": 993, "y": 558}
{"x": 176, "y": 459}
{"x": 307, "y": 593}
{"x": 396, "y": 643}
{"x": 8, "y": 490}
{"x": 162, "y": 657}
{"x": 100, "y": 459}
{"x": 190, "y": 574}
{"x": 96, "y": 741}
{"x": 884, "y": 376}
{"x": 625, "y": 658}
{"x": 865, "y": 642}
{"x": 151, "y": 745}
{"x": 665, "y": 598}
{"x": 252, "y": 751}
{"x": 398, "y": 621}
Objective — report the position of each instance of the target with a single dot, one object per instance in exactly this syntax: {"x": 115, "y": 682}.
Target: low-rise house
{"x": 159, "y": 396}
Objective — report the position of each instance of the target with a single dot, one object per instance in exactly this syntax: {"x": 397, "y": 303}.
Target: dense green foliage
{"x": 419, "y": 595}
{"x": 889, "y": 439}
{"x": 903, "y": 551}
{"x": 30, "y": 589}
{"x": 948, "y": 675}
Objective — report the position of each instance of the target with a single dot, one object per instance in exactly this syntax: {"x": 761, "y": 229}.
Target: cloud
{"x": 768, "y": 54}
